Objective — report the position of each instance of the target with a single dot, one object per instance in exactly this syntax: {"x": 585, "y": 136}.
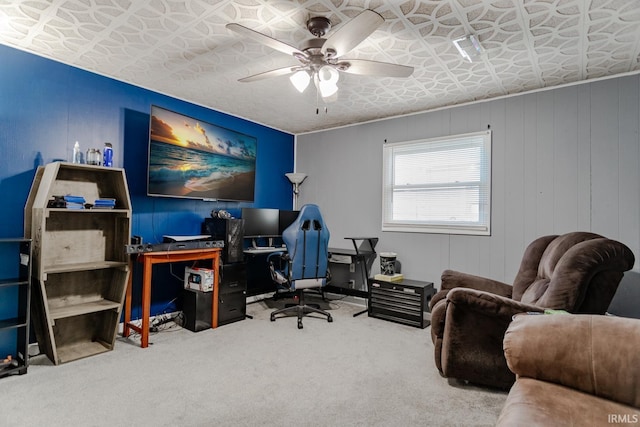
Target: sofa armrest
{"x": 489, "y": 304}
{"x": 451, "y": 279}
{"x": 483, "y": 303}
{"x": 591, "y": 353}
{"x": 454, "y": 279}
{"x": 468, "y": 329}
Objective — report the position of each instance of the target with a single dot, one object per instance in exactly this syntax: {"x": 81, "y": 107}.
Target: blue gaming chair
{"x": 305, "y": 264}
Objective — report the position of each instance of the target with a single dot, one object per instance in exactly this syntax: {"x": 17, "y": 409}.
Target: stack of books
{"x": 104, "y": 204}
{"x": 74, "y": 202}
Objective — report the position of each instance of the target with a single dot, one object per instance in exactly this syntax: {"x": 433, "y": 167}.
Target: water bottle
{"x": 77, "y": 154}
{"x": 107, "y": 155}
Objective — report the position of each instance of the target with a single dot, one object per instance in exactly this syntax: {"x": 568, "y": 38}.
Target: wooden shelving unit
{"x": 15, "y": 288}
{"x": 80, "y": 268}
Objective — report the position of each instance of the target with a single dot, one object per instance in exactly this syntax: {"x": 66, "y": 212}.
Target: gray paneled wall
{"x": 563, "y": 159}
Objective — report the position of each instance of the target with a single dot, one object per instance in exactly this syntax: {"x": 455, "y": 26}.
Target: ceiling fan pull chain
{"x": 326, "y": 110}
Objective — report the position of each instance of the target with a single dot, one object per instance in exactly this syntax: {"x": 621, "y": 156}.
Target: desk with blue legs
{"x": 148, "y": 259}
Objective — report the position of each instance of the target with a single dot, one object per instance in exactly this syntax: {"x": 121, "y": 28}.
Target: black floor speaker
{"x": 229, "y": 230}
{"x": 196, "y": 308}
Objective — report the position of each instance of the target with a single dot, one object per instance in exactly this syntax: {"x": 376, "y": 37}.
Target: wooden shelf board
{"x": 66, "y": 268}
{"x": 70, "y": 352}
{"x": 84, "y": 308}
{"x": 114, "y": 210}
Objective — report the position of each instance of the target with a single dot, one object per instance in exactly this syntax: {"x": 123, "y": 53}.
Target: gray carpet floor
{"x": 356, "y": 371}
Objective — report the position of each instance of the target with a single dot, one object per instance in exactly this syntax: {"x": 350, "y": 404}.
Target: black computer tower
{"x": 231, "y": 231}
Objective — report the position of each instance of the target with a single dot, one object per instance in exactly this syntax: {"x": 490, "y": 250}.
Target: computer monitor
{"x": 285, "y": 219}
{"x": 260, "y": 222}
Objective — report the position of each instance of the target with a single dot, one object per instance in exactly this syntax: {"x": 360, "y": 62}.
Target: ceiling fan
{"x": 321, "y": 59}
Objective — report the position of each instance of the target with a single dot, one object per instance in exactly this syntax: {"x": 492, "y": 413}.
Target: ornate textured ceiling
{"x": 182, "y": 48}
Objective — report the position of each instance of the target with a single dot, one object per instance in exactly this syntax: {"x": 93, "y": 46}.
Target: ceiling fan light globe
{"x": 330, "y": 99}
{"x": 327, "y": 88}
{"x": 300, "y": 80}
{"x": 328, "y": 74}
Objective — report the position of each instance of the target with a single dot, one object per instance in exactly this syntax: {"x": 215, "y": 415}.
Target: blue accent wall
{"x": 46, "y": 106}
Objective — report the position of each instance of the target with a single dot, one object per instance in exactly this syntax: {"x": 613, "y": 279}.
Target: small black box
{"x": 196, "y": 308}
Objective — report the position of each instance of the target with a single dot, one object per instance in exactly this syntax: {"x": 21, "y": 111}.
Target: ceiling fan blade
{"x": 374, "y": 68}
{"x": 268, "y": 74}
{"x": 351, "y": 34}
{"x": 264, "y": 39}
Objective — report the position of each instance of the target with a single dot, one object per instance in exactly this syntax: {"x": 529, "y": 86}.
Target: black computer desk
{"x": 343, "y": 280}
{"x": 353, "y": 281}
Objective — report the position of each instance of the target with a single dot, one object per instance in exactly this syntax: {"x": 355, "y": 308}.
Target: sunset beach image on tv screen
{"x": 195, "y": 159}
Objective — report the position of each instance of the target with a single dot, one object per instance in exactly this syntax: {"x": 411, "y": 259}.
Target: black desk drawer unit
{"x": 403, "y": 302}
{"x": 232, "y": 295}
{"x": 232, "y": 300}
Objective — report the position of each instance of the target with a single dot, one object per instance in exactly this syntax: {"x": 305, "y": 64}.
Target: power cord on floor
{"x": 163, "y": 322}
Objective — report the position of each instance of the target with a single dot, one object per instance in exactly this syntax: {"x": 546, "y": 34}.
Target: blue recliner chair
{"x": 305, "y": 264}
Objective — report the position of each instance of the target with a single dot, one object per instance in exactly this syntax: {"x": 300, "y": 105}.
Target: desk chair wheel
{"x": 329, "y": 319}
{"x": 273, "y": 318}
{"x": 299, "y": 323}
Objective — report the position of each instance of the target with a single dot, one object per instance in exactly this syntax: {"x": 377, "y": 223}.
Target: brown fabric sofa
{"x": 578, "y": 272}
{"x": 573, "y": 370}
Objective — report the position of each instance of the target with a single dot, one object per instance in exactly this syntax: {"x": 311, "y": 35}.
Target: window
{"x": 438, "y": 185}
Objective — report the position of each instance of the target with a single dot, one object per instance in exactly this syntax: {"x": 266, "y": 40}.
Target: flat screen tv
{"x": 193, "y": 159}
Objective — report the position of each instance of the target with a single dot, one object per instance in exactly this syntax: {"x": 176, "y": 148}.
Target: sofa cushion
{"x": 594, "y": 354}
{"x": 537, "y": 403}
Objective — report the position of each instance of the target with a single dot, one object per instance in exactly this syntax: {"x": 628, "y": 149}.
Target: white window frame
{"x": 480, "y": 225}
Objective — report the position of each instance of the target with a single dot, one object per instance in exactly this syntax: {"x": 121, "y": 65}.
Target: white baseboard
{"x": 260, "y": 297}
{"x": 362, "y": 302}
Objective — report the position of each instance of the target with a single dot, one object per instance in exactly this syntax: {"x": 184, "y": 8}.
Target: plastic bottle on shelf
{"x": 107, "y": 154}
{"x": 77, "y": 154}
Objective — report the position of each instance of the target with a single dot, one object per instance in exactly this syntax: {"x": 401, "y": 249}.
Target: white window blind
{"x": 438, "y": 185}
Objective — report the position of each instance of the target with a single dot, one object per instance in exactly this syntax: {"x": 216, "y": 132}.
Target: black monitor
{"x": 285, "y": 220}
{"x": 260, "y": 222}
